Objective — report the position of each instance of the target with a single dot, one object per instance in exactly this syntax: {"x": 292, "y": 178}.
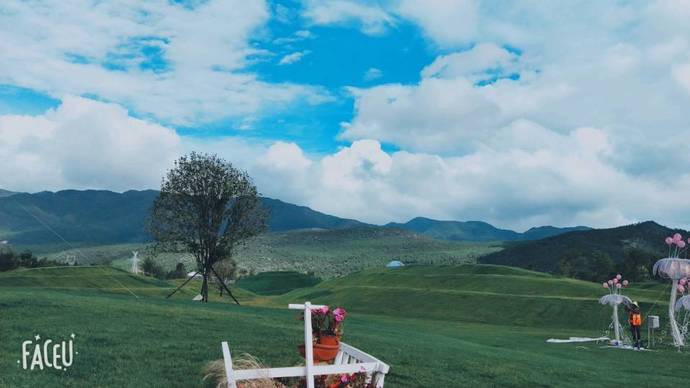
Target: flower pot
{"x": 322, "y": 353}
{"x": 329, "y": 340}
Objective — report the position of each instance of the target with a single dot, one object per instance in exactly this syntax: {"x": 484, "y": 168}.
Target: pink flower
{"x": 683, "y": 281}
{"x": 681, "y": 244}
{"x": 615, "y": 280}
{"x": 625, "y": 283}
{"x": 669, "y": 241}
{"x": 618, "y": 285}
{"x": 324, "y": 310}
{"x": 344, "y": 378}
{"x": 677, "y": 237}
{"x": 605, "y": 285}
{"x": 619, "y": 276}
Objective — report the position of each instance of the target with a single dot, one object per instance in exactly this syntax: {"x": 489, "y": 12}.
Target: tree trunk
{"x": 204, "y": 288}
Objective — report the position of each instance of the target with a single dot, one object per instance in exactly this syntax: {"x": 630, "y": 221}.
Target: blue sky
{"x": 520, "y": 114}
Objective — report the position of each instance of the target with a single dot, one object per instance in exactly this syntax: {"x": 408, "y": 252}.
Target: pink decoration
{"x": 610, "y": 282}
{"x": 618, "y": 285}
{"x": 681, "y": 244}
{"x": 605, "y": 285}
{"x": 619, "y": 276}
{"x": 677, "y": 237}
{"x": 681, "y": 289}
{"x": 683, "y": 281}
{"x": 669, "y": 241}
{"x": 615, "y": 280}
{"x": 625, "y": 283}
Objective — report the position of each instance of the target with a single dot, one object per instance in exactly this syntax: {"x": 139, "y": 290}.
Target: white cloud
{"x": 372, "y": 73}
{"x": 570, "y": 182}
{"x": 371, "y": 18}
{"x": 180, "y": 64}
{"x": 292, "y": 58}
{"x": 449, "y": 23}
{"x": 83, "y": 144}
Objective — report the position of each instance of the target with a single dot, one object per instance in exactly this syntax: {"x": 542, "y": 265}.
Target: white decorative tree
{"x": 613, "y": 299}
{"x": 675, "y": 269}
{"x": 135, "y": 262}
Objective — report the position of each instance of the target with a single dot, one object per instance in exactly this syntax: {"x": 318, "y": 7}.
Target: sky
{"x": 516, "y": 113}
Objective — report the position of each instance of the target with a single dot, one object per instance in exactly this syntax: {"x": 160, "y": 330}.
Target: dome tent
{"x": 395, "y": 264}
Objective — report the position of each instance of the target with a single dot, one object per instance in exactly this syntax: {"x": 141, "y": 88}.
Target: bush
{"x": 179, "y": 273}
{"x": 151, "y": 268}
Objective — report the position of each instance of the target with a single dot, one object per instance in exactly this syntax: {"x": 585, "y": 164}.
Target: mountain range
{"x": 477, "y": 230}
{"x": 91, "y": 217}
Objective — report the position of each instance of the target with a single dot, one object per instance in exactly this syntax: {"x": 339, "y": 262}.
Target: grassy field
{"x": 326, "y": 253}
{"x": 276, "y": 283}
{"x": 436, "y": 333}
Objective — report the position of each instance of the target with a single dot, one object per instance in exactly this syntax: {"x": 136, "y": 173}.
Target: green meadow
{"x": 437, "y": 326}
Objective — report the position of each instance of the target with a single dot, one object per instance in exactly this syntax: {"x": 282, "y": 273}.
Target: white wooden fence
{"x": 348, "y": 360}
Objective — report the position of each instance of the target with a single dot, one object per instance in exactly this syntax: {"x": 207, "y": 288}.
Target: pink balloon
{"x": 618, "y": 285}
{"x": 677, "y": 237}
{"x": 683, "y": 281}
{"x": 619, "y": 276}
{"x": 605, "y": 285}
{"x": 669, "y": 241}
{"x": 615, "y": 280}
{"x": 681, "y": 289}
{"x": 610, "y": 282}
{"x": 625, "y": 283}
{"x": 681, "y": 244}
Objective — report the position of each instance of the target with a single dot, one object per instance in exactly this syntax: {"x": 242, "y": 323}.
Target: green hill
{"x": 476, "y": 230}
{"x": 151, "y": 341}
{"x": 276, "y": 283}
{"x": 591, "y": 254}
{"x": 472, "y": 293}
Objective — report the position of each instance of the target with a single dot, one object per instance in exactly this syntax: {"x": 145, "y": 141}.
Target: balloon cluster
{"x": 675, "y": 245}
{"x": 615, "y": 284}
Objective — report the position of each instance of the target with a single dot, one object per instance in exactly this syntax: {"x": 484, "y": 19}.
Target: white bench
{"x": 348, "y": 360}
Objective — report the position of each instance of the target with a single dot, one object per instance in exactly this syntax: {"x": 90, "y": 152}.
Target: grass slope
{"x": 149, "y": 342}
{"x": 326, "y": 253}
{"x": 276, "y": 283}
{"x": 473, "y": 293}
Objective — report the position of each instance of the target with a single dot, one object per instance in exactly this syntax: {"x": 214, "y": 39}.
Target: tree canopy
{"x": 206, "y": 207}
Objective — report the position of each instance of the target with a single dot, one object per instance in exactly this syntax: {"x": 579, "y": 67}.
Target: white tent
{"x": 395, "y": 264}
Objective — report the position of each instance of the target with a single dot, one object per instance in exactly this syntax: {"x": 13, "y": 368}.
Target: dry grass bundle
{"x": 214, "y": 374}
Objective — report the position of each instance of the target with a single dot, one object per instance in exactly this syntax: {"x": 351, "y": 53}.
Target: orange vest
{"x": 635, "y": 319}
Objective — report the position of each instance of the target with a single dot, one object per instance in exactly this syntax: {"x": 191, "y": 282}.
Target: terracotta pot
{"x": 329, "y": 340}
{"x": 322, "y": 353}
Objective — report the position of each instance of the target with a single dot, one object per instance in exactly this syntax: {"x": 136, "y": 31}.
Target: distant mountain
{"x": 104, "y": 217}
{"x": 476, "y": 230}
{"x": 5, "y": 193}
{"x": 591, "y": 254}
{"x": 286, "y": 216}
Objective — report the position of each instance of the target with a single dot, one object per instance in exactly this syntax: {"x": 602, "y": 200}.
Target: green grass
{"x": 276, "y": 283}
{"x": 436, "y": 333}
{"x": 326, "y": 253}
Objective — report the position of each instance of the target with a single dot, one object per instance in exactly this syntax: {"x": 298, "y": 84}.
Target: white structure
{"x": 195, "y": 275}
{"x": 348, "y": 360}
{"x": 395, "y": 264}
{"x": 614, "y": 300}
{"x": 135, "y": 262}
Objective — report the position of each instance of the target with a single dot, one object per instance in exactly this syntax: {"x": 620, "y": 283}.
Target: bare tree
{"x": 206, "y": 207}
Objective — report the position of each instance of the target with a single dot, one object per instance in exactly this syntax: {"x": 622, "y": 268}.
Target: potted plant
{"x": 327, "y": 330}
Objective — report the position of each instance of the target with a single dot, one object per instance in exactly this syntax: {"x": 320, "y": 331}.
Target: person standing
{"x": 635, "y": 320}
